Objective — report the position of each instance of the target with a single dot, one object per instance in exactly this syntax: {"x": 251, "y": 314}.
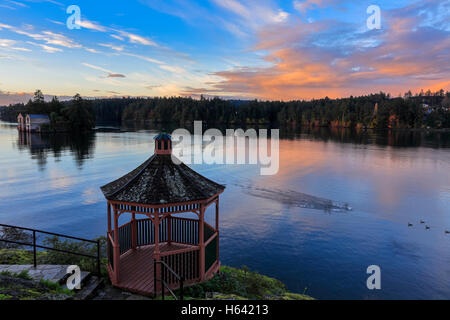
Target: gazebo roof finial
{"x": 163, "y": 143}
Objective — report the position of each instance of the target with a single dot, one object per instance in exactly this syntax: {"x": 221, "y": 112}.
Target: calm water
{"x": 52, "y": 183}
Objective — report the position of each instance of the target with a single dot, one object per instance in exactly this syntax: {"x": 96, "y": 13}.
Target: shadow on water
{"x": 41, "y": 145}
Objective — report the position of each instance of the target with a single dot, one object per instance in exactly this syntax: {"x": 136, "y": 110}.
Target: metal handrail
{"x": 164, "y": 284}
{"x": 35, "y": 246}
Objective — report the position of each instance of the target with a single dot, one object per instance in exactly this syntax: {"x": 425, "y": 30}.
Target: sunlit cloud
{"x": 304, "y": 68}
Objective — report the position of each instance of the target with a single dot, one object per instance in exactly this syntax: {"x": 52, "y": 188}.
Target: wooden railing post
{"x": 202, "y": 241}
{"x": 133, "y": 231}
{"x": 109, "y": 217}
{"x": 169, "y": 229}
{"x": 156, "y": 254}
{"x": 217, "y": 228}
{"x": 116, "y": 247}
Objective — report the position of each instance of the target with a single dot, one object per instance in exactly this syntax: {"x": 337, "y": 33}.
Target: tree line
{"x": 74, "y": 115}
{"x": 424, "y": 109}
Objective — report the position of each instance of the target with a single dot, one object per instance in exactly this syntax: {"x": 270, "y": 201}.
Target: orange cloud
{"x": 314, "y": 60}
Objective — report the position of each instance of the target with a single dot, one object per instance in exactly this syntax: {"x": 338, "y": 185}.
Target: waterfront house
{"x": 156, "y": 246}
{"x": 20, "y": 122}
{"x": 32, "y": 122}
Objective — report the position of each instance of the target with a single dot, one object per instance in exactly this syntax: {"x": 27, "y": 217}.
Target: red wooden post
{"x": 116, "y": 247}
{"x": 169, "y": 229}
{"x": 202, "y": 241}
{"x": 217, "y": 228}
{"x": 156, "y": 254}
{"x": 109, "y": 217}
{"x": 133, "y": 231}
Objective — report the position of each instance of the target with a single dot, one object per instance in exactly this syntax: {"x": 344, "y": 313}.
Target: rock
{"x": 54, "y": 296}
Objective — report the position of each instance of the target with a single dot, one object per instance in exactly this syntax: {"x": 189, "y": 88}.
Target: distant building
{"x": 20, "y": 122}
{"x": 31, "y": 122}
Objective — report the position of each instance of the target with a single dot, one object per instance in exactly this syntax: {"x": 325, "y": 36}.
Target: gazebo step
{"x": 88, "y": 289}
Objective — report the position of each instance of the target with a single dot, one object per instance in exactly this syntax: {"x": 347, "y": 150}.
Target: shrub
{"x": 239, "y": 282}
{"x": 24, "y": 275}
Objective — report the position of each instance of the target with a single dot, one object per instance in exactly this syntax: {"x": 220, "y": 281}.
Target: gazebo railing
{"x": 166, "y": 272}
{"x": 184, "y": 230}
{"x": 125, "y": 238}
{"x": 184, "y": 262}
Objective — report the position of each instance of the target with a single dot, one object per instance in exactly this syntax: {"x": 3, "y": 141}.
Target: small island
{"x": 76, "y": 115}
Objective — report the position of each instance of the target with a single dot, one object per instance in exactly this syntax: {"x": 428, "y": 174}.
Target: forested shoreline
{"x": 424, "y": 109}
{"x": 74, "y": 115}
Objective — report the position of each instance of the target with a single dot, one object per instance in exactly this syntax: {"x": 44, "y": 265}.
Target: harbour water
{"x": 389, "y": 179}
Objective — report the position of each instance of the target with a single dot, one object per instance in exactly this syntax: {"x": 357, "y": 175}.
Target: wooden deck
{"x": 136, "y": 267}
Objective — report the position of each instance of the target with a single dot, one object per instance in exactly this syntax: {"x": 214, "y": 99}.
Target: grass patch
{"x": 5, "y": 296}
{"x": 24, "y": 275}
{"x": 55, "y": 287}
{"x": 237, "y": 284}
{"x": 20, "y": 256}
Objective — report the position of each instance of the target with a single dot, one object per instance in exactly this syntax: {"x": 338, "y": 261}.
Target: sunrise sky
{"x": 263, "y": 49}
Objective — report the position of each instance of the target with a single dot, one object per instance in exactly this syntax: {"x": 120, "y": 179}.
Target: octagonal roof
{"x": 160, "y": 181}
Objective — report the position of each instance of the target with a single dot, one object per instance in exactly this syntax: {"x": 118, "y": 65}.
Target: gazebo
{"x": 155, "y": 238}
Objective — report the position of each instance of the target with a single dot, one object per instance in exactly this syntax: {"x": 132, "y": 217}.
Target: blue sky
{"x": 251, "y": 49}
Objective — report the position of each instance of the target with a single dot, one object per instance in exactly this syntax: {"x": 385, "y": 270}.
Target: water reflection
{"x": 392, "y": 138}
{"x": 42, "y": 145}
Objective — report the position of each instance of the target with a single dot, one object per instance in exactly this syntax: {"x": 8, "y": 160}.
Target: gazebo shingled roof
{"x": 159, "y": 180}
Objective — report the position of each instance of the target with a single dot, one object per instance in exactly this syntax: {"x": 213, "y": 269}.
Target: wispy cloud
{"x": 48, "y": 37}
{"x": 46, "y": 48}
{"x": 111, "y": 46}
{"x": 145, "y": 58}
{"x": 255, "y": 13}
{"x": 84, "y": 23}
{"x": 115, "y": 36}
{"x": 173, "y": 69}
{"x": 109, "y": 73}
{"x": 304, "y": 5}
{"x": 10, "y": 45}
{"x": 134, "y": 38}
{"x": 116, "y": 75}
{"x": 18, "y": 4}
